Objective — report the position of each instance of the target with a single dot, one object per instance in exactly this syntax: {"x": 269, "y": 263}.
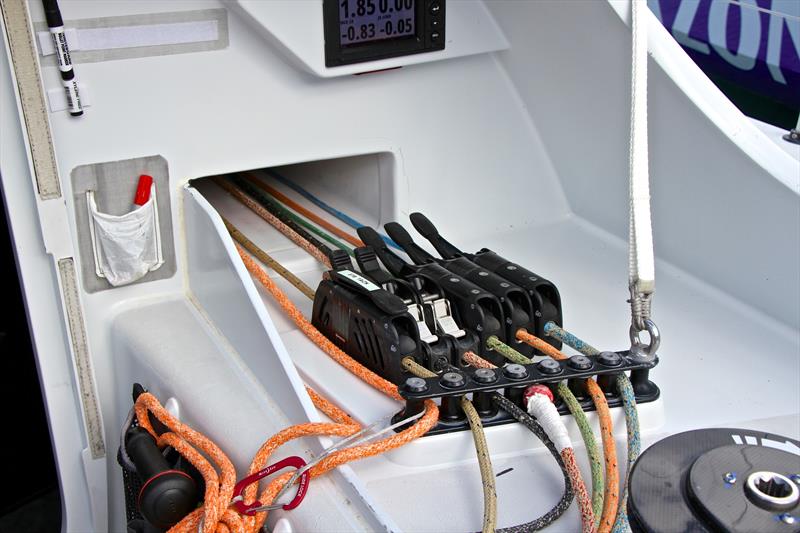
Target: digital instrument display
{"x": 372, "y": 20}
{"x": 357, "y": 31}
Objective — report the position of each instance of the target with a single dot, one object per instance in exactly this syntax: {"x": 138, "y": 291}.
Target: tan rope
{"x": 481, "y": 447}
{"x": 265, "y": 258}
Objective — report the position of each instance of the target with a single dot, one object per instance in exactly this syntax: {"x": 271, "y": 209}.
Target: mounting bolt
{"x": 795, "y": 478}
{"x": 729, "y": 477}
{"x": 548, "y": 366}
{"x": 793, "y": 136}
{"x": 580, "y": 362}
{"x": 416, "y": 385}
{"x": 786, "y": 518}
{"x": 452, "y": 380}
{"x": 515, "y": 371}
{"x": 485, "y": 375}
{"x": 609, "y": 359}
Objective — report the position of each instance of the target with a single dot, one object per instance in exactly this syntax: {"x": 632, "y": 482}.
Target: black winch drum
{"x": 732, "y": 480}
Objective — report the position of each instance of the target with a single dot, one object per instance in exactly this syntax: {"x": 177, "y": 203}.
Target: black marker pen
{"x": 56, "y": 25}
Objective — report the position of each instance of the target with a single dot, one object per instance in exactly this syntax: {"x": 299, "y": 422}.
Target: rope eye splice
{"x": 250, "y": 509}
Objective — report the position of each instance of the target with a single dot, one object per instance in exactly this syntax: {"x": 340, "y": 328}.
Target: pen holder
{"x": 126, "y": 247}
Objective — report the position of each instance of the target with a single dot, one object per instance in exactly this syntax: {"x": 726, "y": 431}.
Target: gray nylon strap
{"x": 82, "y": 357}
{"x": 34, "y": 110}
{"x": 140, "y": 25}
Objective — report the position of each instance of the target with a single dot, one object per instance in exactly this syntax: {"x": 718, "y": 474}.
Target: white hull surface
{"x": 516, "y": 140}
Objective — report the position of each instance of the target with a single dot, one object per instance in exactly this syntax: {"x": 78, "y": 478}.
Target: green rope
{"x": 278, "y": 206}
{"x": 493, "y": 343}
{"x": 625, "y": 388}
{"x": 595, "y": 458}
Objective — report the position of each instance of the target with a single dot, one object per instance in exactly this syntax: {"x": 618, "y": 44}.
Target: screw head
{"x": 795, "y": 478}
{"x": 452, "y": 380}
{"x": 729, "y": 477}
{"x": 609, "y": 359}
{"x": 548, "y": 366}
{"x": 515, "y": 371}
{"x": 416, "y": 385}
{"x": 787, "y": 518}
{"x": 580, "y": 362}
{"x": 485, "y": 375}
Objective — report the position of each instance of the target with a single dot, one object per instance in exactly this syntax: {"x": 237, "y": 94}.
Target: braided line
{"x": 569, "y": 465}
{"x": 481, "y": 448}
{"x": 631, "y": 417}
{"x": 265, "y": 258}
{"x": 584, "y": 502}
{"x": 278, "y": 195}
{"x": 272, "y": 220}
{"x": 215, "y": 516}
{"x": 601, "y": 491}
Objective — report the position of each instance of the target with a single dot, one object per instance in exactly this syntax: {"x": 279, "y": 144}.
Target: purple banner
{"x": 753, "y": 43}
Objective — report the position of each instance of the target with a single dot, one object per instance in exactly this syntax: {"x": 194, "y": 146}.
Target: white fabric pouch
{"x": 126, "y": 247}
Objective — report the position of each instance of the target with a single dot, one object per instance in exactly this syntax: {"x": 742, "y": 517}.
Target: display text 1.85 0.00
{"x": 371, "y": 20}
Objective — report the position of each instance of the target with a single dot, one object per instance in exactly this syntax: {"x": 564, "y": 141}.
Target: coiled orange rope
{"x": 216, "y": 516}
{"x": 278, "y": 195}
{"x": 611, "y": 496}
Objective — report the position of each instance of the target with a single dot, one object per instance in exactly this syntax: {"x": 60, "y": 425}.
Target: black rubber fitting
{"x": 611, "y": 359}
{"x": 548, "y": 366}
{"x": 416, "y": 384}
{"x": 452, "y": 380}
{"x": 515, "y": 371}
{"x": 485, "y": 375}
{"x": 580, "y": 362}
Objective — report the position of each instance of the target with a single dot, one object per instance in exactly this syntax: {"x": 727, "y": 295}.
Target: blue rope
{"x": 621, "y": 524}
{"x": 347, "y": 219}
{"x": 552, "y": 330}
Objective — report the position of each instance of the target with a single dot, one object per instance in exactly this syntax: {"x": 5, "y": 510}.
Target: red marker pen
{"x": 143, "y": 190}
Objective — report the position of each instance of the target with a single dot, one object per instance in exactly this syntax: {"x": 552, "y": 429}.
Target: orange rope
{"x": 274, "y": 221}
{"x": 611, "y": 497}
{"x": 219, "y": 488}
{"x": 582, "y": 495}
{"x": 427, "y": 422}
{"x": 215, "y": 514}
{"x": 476, "y": 360}
{"x": 373, "y": 379}
{"x": 329, "y": 408}
{"x": 302, "y": 210}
